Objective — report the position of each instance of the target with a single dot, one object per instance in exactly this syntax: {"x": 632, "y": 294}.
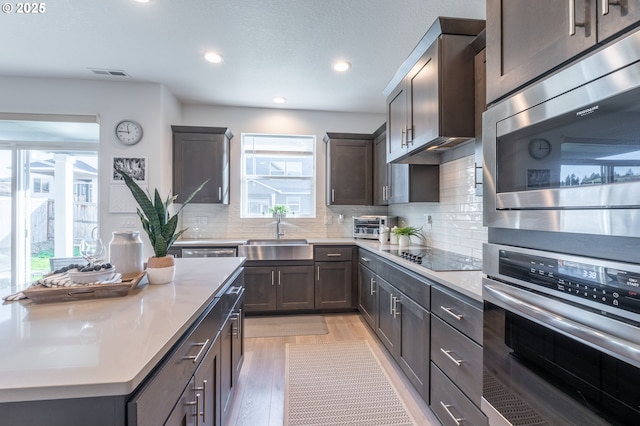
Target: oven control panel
{"x": 598, "y": 283}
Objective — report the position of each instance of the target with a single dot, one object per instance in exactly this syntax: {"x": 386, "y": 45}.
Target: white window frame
{"x": 286, "y": 174}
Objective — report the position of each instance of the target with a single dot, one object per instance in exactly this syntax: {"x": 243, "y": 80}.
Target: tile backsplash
{"x": 456, "y": 220}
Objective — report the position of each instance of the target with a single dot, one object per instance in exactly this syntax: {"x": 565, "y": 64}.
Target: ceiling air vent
{"x": 114, "y": 73}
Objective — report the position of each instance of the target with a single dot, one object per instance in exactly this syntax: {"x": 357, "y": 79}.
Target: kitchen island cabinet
{"x": 103, "y": 362}
{"x": 527, "y": 40}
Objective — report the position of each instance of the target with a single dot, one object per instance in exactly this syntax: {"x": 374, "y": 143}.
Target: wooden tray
{"x": 41, "y": 294}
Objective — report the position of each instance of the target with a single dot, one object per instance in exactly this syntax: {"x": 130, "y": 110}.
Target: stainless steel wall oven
{"x": 564, "y": 154}
{"x": 561, "y": 339}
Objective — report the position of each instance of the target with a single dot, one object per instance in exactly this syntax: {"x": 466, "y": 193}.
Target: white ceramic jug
{"x": 125, "y": 253}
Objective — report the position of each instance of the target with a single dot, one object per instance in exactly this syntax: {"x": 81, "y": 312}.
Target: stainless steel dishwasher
{"x": 210, "y": 252}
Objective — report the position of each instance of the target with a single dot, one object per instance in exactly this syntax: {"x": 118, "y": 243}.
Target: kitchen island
{"x": 84, "y": 356}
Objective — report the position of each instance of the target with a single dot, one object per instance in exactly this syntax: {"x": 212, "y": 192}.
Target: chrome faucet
{"x": 278, "y": 233}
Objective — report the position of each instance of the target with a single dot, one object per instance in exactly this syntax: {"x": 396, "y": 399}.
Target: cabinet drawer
{"x": 463, "y": 315}
{"x": 369, "y": 260}
{"x": 333, "y": 254}
{"x": 459, "y": 357}
{"x": 450, "y": 405}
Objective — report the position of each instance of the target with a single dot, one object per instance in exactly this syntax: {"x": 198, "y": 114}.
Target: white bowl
{"x": 92, "y": 276}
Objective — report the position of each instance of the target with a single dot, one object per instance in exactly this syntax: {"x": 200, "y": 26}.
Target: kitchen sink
{"x": 278, "y": 242}
{"x": 276, "y": 249}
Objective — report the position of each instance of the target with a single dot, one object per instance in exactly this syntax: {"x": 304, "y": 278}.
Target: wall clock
{"x": 539, "y": 148}
{"x": 129, "y": 132}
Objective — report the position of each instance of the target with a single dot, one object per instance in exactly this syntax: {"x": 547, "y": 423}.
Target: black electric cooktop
{"x": 438, "y": 260}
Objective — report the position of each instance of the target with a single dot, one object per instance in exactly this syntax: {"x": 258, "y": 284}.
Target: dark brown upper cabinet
{"x": 430, "y": 100}
{"x": 349, "y": 169}
{"x": 527, "y": 40}
{"x": 201, "y": 153}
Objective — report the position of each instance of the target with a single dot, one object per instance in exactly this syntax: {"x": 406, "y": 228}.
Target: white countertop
{"x": 102, "y": 347}
{"x": 468, "y": 283}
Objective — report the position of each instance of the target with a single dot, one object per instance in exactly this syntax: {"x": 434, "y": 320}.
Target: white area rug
{"x": 339, "y": 384}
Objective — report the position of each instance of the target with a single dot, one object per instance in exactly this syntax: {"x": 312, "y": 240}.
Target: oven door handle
{"x": 623, "y": 349}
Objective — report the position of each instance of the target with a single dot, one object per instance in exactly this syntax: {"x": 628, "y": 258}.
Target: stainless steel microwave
{"x": 563, "y": 155}
{"x": 369, "y": 226}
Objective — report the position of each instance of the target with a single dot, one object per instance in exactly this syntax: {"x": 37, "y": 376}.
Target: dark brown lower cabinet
{"x": 367, "y": 299}
{"x": 403, "y": 327}
{"x": 333, "y": 285}
{"x": 231, "y": 357}
{"x": 279, "y": 288}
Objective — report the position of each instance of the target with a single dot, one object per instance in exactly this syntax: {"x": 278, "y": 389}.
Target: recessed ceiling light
{"x": 279, "y": 100}
{"x": 341, "y": 66}
{"x": 213, "y": 57}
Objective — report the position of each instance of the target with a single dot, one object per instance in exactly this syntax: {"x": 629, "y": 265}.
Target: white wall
{"x": 224, "y": 221}
{"x": 148, "y": 103}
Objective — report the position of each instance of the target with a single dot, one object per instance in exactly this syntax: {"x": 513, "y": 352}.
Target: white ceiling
{"x": 270, "y": 47}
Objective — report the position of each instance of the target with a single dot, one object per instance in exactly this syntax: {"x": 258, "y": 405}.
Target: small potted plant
{"x": 281, "y": 209}
{"x": 160, "y": 226}
{"x": 405, "y": 233}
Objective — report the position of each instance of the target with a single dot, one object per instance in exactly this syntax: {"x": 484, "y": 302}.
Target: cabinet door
{"x": 399, "y": 184}
{"x": 388, "y": 326}
{"x": 367, "y": 292}
{"x": 350, "y": 175}
{"x": 206, "y": 388}
{"x": 526, "y": 39}
{"x": 413, "y": 348}
{"x": 333, "y": 285}
{"x": 226, "y": 368}
{"x": 397, "y": 123}
{"x": 615, "y": 16}
{"x": 423, "y": 91}
{"x": 196, "y": 158}
{"x": 295, "y": 288}
{"x": 184, "y": 413}
{"x": 380, "y": 171}
{"x": 260, "y": 288}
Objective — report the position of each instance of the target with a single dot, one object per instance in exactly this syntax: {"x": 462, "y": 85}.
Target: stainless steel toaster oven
{"x": 369, "y": 226}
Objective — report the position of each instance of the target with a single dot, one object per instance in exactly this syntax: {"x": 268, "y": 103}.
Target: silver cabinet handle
{"x": 454, "y": 418}
{"x": 457, "y": 362}
{"x": 395, "y": 307}
{"x": 202, "y": 413}
{"x": 279, "y": 278}
{"x": 318, "y": 273}
{"x": 235, "y": 317}
{"x": 365, "y": 260}
{"x": 197, "y": 404}
{"x": 334, "y": 254}
{"x": 219, "y": 193}
{"x": 402, "y": 138}
{"x": 391, "y": 305}
{"x": 572, "y": 18}
{"x": 273, "y": 280}
{"x": 410, "y": 141}
{"x": 333, "y": 195}
{"x": 606, "y": 3}
{"x": 195, "y": 357}
{"x": 371, "y": 283}
{"x": 450, "y": 312}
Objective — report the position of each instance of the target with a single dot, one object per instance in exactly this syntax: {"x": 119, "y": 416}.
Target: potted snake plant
{"x": 160, "y": 226}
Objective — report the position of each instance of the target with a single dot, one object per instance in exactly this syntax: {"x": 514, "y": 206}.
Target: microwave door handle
{"x": 582, "y": 332}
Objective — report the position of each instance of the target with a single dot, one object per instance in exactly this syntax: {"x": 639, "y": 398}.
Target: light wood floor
{"x": 259, "y": 398}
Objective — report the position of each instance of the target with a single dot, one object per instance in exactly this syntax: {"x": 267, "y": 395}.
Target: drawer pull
{"x": 372, "y": 282}
{"x": 450, "y": 312}
{"x": 235, "y": 331}
{"x": 454, "y": 418}
{"x": 236, "y": 290}
{"x": 394, "y": 310}
{"x": 197, "y": 404}
{"x": 195, "y": 357}
{"x": 365, "y": 260}
{"x": 457, "y": 362}
{"x": 334, "y": 254}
